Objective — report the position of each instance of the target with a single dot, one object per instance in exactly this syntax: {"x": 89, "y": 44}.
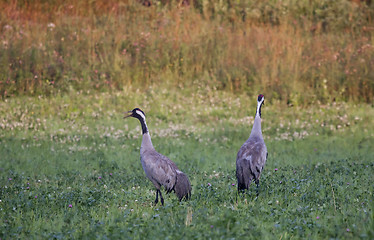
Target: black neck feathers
{"x": 144, "y": 125}
{"x": 258, "y": 110}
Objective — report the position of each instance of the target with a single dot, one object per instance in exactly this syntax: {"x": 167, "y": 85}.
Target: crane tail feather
{"x": 244, "y": 177}
{"x": 182, "y": 186}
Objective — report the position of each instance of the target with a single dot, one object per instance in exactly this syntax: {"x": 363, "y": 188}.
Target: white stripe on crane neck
{"x": 259, "y": 107}
{"x": 141, "y": 114}
{"x": 142, "y": 121}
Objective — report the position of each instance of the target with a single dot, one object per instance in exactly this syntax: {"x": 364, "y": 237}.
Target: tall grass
{"x": 293, "y": 51}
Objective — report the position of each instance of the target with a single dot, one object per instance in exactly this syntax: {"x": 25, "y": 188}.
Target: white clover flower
{"x": 51, "y": 26}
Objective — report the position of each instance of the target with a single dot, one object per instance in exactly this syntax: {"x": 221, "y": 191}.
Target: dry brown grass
{"x": 50, "y": 46}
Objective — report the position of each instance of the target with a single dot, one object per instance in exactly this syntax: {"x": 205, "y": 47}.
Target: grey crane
{"x": 252, "y": 155}
{"x": 158, "y": 168}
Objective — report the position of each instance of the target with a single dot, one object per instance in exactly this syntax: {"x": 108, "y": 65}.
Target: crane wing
{"x": 160, "y": 170}
{"x": 252, "y": 155}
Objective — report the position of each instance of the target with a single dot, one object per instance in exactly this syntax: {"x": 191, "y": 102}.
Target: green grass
{"x": 70, "y": 168}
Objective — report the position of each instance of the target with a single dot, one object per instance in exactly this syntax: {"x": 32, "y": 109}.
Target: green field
{"x": 70, "y": 168}
{"x": 70, "y": 164}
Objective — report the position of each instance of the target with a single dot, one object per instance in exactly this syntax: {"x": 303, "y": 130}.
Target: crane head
{"x": 261, "y": 99}
{"x": 136, "y": 113}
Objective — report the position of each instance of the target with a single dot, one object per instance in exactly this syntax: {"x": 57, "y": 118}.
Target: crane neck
{"x": 146, "y": 143}
{"x": 256, "y": 129}
{"x": 258, "y": 109}
{"x": 144, "y": 124}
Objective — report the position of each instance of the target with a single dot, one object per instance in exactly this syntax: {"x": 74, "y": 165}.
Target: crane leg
{"x": 156, "y": 201}
{"x": 162, "y": 199}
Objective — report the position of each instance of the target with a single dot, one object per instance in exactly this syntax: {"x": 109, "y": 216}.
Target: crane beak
{"x": 129, "y": 115}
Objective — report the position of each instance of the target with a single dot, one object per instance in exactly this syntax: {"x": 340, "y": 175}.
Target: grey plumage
{"x": 158, "y": 168}
{"x": 252, "y": 155}
{"x": 182, "y": 186}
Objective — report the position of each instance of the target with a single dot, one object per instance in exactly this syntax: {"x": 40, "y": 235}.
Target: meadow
{"x": 70, "y": 168}
{"x": 70, "y": 164}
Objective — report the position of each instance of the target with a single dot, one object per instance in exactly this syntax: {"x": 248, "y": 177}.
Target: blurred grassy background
{"x": 294, "y": 52}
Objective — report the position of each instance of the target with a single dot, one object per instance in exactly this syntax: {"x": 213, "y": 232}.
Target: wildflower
{"x": 348, "y": 230}
{"x": 211, "y": 226}
{"x": 6, "y": 27}
{"x": 110, "y": 174}
{"x": 36, "y": 196}
{"x": 70, "y": 206}
{"x": 276, "y": 169}
{"x": 51, "y": 25}
{"x": 10, "y": 179}
{"x": 233, "y": 184}
{"x": 99, "y": 177}
{"x": 209, "y": 185}
{"x": 317, "y": 217}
